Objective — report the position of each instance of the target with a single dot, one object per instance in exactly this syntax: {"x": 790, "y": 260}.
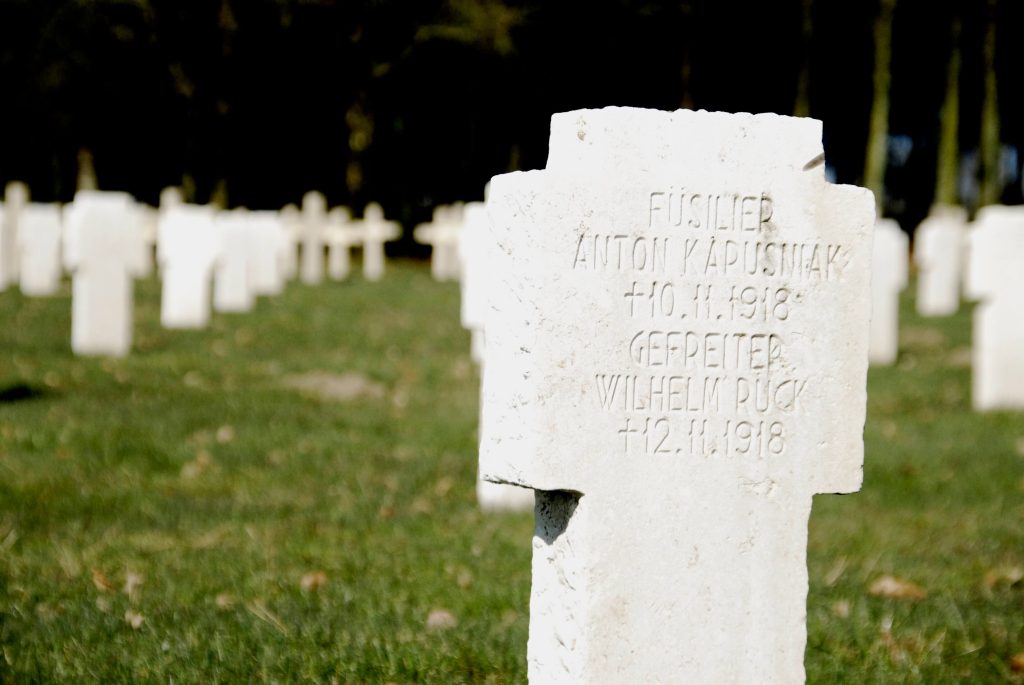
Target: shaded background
{"x": 252, "y": 103}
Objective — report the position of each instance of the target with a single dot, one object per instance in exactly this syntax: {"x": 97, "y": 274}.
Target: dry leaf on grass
{"x": 258, "y": 609}
{"x": 225, "y": 434}
{"x": 224, "y": 601}
{"x": 1017, "y": 663}
{"x": 1006, "y": 575}
{"x": 134, "y": 619}
{"x": 464, "y": 578}
{"x": 132, "y": 582}
{"x": 444, "y": 486}
{"x": 441, "y": 619}
{"x": 313, "y": 581}
{"x": 891, "y": 587}
{"x": 841, "y": 608}
{"x": 101, "y": 581}
{"x": 197, "y": 466}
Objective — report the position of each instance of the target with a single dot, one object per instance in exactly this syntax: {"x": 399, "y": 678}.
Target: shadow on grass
{"x": 20, "y": 392}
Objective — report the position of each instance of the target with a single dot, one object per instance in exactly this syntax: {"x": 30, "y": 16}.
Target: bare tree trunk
{"x": 949, "y": 144}
{"x": 990, "y": 176}
{"x": 878, "y": 131}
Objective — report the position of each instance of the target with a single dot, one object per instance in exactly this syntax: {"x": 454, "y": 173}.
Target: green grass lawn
{"x": 184, "y": 516}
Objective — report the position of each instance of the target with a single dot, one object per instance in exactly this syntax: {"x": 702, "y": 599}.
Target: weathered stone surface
{"x": 104, "y": 251}
{"x": 889, "y": 266}
{"x": 996, "y": 280}
{"x": 39, "y": 239}
{"x": 676, "y": 361}
{"x": 938, "y": 252}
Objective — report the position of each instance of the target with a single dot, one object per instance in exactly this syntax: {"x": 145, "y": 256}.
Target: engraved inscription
{"x": 706, "y": 373}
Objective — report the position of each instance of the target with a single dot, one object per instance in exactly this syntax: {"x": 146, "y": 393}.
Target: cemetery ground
{"x": 288, "y": 496}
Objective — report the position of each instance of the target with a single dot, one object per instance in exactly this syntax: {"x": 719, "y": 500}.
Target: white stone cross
{"x": 15, "y": 198}
{"x": 374, "y": 231}
{"x": 442, "y": 234}
{"x": 39, "y": 238}
{"x": 996, "y": 280}
{"x": 890, "y": 262}
{"x": 473, "y": 250}
{"x": 233, "y": 272}
{"x": 340, "y": 237}
{"x": 188, "y": 246}
{"x": 676, "y": 362}
{"x": 473, "y": 257}
{"x": 938, "y": 250}
{"x": 314, "y": 220}
{"x": 104, "y": 251}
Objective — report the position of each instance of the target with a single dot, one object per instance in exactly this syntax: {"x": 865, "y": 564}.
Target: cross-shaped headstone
{"x": 938, "y": 248}
{"x": 374, "y": 230}
{"x": 889, "y": 266}
{"x": 104, "y": 252}
{"x": 187, "y": 249}
{"x": 39, "y": 237}
{"x": 996, "y": 280}
{"x": 340, "y": 238}
{"x": 473, "y": 250}
{"x": 473, "y": 257}
{"x": 676, "y": 362}
{"x": 314, "y": 220}
{"x": 442, "y": 234}
{"x": 15, "y": 199}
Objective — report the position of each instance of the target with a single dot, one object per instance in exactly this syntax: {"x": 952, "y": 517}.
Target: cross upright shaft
{"x": 679, "y": 365}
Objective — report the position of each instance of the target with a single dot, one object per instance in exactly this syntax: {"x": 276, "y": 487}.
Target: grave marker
{"x": 676, "y": 362}
{"x": 15, "y": 198}
{"x": 270, "y": 245}
{"x": 889, "y": 266}
{"x": 374, "y": 230}
{"x": 938, "y": 248}
{"x": 442, "y": 234}
{"x": 233, "y": 272}
{"x": 39, "y": 238}
{"x": 340, "y": 238}
{"x": 103, "y": 250}
{"x": 187, "y": 249}
{"x": 473, "y": 248}
{"x": 291, "y": 222}
{"x": 314, "y": 218}
{"x": 996, "y": 280}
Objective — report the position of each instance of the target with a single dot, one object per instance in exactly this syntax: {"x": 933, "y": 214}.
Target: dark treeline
{"x": 253, "y": 102}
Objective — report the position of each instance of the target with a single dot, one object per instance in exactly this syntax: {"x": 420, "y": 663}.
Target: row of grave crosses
{"x": 979, "y": 261}
{"x": 205, "y": 257}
